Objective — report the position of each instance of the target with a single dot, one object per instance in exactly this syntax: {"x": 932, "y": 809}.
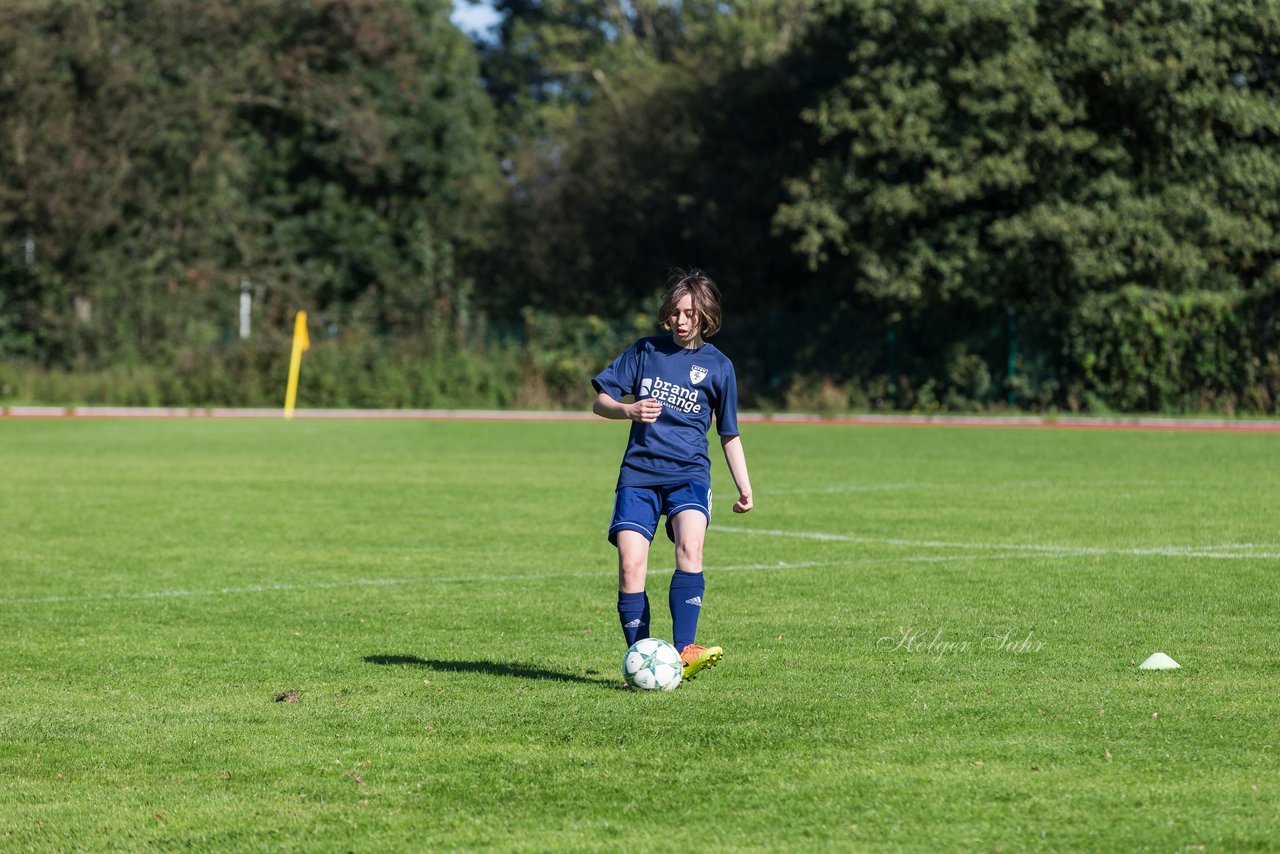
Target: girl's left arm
{"x": 737, "y": 460}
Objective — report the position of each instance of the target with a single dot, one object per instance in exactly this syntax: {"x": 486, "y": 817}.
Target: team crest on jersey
{"x": 697, "y": 374}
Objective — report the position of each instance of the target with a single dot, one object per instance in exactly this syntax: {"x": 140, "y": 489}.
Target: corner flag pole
{"x": 301, "y": 341}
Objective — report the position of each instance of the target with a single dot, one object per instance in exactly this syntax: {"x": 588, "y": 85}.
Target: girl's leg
{"x": 633, "y": 566}
{"x": 687, "y": 585}
{"x": 633, "y": 561}
{"x": 690, "y": 530}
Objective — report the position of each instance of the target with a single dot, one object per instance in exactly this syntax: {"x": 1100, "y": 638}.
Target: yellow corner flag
{"x": 301, "y": 341}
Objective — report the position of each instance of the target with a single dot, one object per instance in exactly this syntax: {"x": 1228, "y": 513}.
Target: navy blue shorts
{"x": 637, "y": 508}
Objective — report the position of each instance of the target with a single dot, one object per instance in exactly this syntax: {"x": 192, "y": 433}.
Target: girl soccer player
{"x": 676, "y": 383}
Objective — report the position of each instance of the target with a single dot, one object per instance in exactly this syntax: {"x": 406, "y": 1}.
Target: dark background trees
{"x": 338, "y": 155}
{"x": 906, "y": 203}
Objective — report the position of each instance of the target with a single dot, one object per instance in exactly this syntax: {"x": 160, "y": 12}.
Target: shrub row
{"x": 1134, "y": 350}
{"x": 1144, "y": 350}
{"x": 544, "y": 364}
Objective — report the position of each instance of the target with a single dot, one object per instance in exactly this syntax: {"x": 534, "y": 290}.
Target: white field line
{"x": 1245, "y": 551}
{"x": 994, "y": 486}
{"x": 463, "y": 579}
{"x": 984, "y": 551}
{"x": 852, "y": 487}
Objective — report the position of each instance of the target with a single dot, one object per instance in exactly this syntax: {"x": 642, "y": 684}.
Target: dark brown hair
{"x": 705, "y": 296}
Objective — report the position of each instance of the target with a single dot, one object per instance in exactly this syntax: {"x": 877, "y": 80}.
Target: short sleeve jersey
{"x": 691, "y": 384}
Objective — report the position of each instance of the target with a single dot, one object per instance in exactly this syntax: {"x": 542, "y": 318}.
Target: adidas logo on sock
{"x": 634, "y": 624}
{"x": 696, "y": 600}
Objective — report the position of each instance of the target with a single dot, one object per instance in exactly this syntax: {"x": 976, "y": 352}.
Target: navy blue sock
{"x": 633, "y": 613}
{"x": 685, "y": 599}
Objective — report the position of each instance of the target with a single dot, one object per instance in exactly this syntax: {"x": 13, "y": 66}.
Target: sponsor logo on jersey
{"x": 697, "y": 374}
{"x": 671, "y": 394}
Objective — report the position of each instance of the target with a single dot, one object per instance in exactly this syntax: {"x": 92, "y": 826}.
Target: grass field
{"x": 402, "y": 636}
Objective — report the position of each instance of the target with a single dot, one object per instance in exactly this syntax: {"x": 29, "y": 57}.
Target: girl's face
{"x": 684, "y": 322}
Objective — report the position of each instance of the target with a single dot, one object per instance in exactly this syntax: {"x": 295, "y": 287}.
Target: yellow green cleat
{"x": 698, "y": 658}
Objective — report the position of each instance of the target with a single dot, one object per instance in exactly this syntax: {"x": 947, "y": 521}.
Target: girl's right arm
{"x": 644, "y": 411}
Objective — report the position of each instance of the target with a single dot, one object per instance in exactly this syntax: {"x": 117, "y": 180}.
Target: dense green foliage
{"x": 157, "y": 155}
{"x": 540, "y": 368}
{"x": 914, "y": 202}
{"x": 1012, "y": 154}
{"x": 1154, "y": 351}
{"x": 171, "y": 586}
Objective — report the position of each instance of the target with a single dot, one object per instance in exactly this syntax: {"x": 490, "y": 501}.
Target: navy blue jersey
{"x": 690, "y": 385}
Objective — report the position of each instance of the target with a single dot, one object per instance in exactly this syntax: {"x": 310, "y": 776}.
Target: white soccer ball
{"x": 652, "y": 664}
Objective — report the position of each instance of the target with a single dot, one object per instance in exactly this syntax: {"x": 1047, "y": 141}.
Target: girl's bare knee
{"x": 632, "y": 570}
{"x": 631, "y": 573}
{"x": 689, "y": 557}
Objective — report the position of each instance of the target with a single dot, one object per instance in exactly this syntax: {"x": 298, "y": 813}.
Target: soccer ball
{"x": 652, "y": 664}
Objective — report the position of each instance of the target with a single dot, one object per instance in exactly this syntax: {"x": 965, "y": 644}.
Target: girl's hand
{"x": 743, "y": 504}
{"x": 645, "y": 411}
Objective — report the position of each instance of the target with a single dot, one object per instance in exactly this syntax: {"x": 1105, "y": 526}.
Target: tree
{"x": 1030, "y": 153}
{"x": 364, "y": 139}
{"x": 336, "y": 151}
{"x": 637, "y": 137}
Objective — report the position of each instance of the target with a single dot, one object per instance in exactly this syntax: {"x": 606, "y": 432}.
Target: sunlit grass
{"x": 403, "y": 636}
